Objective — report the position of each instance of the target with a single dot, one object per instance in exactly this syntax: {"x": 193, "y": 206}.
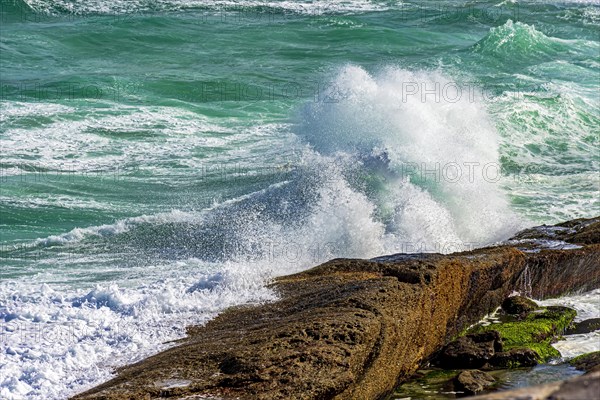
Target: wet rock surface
{"x": 518, "y": 305}
{"x": 578, "y": 231}
{"x": 470, "y": 351}
{"x": 587, "y": 362}
{"x": 473, "y": 381}
{"x": 352, "y": 329}
{"x": 484, "y": 350}
{"x": 521, "y": 357}
{"x": 587, "y": 326}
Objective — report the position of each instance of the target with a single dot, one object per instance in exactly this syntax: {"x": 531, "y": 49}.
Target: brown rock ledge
{"x": 353, "y": 329}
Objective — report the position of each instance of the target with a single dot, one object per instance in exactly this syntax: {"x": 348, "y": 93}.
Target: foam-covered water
{"x": 57, "y": 341}
{"x": 127, "y": 6}
{"x": 587, "y": 306}
{"x": 151, "y": 178}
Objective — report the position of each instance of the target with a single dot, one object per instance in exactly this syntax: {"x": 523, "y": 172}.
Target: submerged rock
{"x": 426, "y": 383}
{"x": 518, "y": 305}
{"x": 474, "y": 381}
{"x": 352, "y": 329}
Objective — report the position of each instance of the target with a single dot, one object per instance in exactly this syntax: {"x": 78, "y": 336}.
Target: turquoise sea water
{"x": 162, "y": 159}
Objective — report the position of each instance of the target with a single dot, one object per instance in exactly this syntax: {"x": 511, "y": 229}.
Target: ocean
{"x": 162, "y": 160}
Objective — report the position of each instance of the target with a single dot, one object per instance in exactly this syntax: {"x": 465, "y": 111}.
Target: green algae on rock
{"x": 586, "y": 326}
{"x": 474, "y": 350}
{"x": 437, "y": 384}
{"x": 587, "y": 362}
{"x": 429, "y": 384}
{"x": 519, "y": 305}
{"x": 537, "y": 331}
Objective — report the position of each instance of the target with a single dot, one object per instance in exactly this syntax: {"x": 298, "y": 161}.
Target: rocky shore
{"x": 354, "y": 329}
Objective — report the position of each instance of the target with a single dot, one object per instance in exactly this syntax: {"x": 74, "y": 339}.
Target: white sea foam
{"x": 302, "y": 7}
{"x": 118, "y": 227}
{"x": 56, "y": 341}
{"x": 576, "y": 345}
{"x": 597, "y": 2}
{"x": 305, "y": 7}
{"x": 17, "y": 109}
{"x": 61, "y": 148}
{"x": 587, "y": 306}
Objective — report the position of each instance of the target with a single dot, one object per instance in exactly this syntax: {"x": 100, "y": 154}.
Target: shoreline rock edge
{"x": 354, "y": 329}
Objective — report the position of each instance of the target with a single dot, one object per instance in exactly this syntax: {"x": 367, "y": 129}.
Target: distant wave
{"x": 517, "y": 40}
{"x": 137, "y": 6}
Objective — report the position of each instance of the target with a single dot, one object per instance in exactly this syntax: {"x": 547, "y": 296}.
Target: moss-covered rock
{"x": 470, "y": 351}
{"x": 587, "y": 362}
{"x": 514, "y": 358}
{"x": 537, "y": 331}
{"x": 435, "y": 384}
{"x": 517, "y": 305}
{"x": 587, "y": 326}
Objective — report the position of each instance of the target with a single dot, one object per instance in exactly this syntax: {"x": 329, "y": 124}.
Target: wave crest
{"x": 518, "y": 41}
